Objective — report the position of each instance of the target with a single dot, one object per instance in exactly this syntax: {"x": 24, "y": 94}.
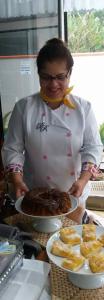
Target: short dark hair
{"x": 54, "y": 49}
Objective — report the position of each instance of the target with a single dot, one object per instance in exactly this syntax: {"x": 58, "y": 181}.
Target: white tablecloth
{"x": 30, "y": 282}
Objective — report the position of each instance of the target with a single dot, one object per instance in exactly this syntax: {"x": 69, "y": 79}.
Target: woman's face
{"x": 54, "y": 79}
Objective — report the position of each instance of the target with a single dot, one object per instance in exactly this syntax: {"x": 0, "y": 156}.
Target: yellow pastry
{"x": 60, "y": 249}
{"x": 74, "y": 263}
{"x": 88, "y": 248}
{"x": 89, "y": 232}
{"x": 89, "y": 236}
{"x": 96, "y": 263}
{"x": 67, "y": 230}
{"x": 71, "y": 239}
{"x": 89, "y": 227}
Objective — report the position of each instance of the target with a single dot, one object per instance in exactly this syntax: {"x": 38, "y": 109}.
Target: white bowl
{"x": 47, "y": 224}
{"x": 82, "y": 278}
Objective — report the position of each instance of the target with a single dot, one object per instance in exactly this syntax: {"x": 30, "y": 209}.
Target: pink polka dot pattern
{"x": 68, "y": 134}
{"x": 45, "y": 157}
{"x": 72, "y": 173}
{"x": 67, "y": 114}
{"x": 43, "y": 114}
{"x": 69, "y": 151}
{"x": 69, "y": 154}
{"x": 48, "y": 177}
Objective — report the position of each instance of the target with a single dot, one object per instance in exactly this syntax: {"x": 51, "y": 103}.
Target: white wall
{"x": 18, "y": 79}
{"x": 88, "y": 80}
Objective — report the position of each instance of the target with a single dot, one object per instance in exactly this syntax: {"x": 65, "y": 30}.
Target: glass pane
{"x": 35, "y": 38}
{"x": 25, "y": 25}
{"x": 12, "y": 43}
{"x": 41, "y": 21}
{"x": 86, "y": 31}
{"x": 86, "y": 41}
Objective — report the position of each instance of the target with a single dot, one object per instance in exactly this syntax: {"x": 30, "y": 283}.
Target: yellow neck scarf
{"x": 65, "y": 99}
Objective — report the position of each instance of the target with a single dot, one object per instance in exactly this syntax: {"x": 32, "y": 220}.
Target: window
{"x": 26, "y": 25}
{"x": 86, "y": 42}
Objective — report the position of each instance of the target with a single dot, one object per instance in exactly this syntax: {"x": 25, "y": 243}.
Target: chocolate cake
{"x": 45, "y": 202}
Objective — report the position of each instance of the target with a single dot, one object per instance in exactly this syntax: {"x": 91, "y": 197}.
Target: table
{"x": 61, "y": 287}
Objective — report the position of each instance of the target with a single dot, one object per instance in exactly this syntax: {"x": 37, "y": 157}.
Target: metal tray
{"x": 9, "y": 263}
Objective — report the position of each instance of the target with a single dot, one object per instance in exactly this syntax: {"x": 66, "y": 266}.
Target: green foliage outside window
{"x": 6, "y": 121}
{"x": 101, "y": 130}
{"x": 86, "y": 31}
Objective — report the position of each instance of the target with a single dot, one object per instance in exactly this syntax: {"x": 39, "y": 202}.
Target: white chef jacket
{"x": 51, "y": 145}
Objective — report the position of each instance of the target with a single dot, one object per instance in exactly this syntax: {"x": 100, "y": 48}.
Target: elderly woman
{"x": 53, "y": 139}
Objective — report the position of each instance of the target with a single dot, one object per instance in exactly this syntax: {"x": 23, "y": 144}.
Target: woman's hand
{"x": 20, "y": 189}
{"x": 78, "y": 186}
{"x": 19, "y": 186}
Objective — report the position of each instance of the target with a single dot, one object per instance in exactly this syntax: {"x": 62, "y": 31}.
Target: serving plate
{"x": 82, "y": 278}
{"x": 47, "y": 223}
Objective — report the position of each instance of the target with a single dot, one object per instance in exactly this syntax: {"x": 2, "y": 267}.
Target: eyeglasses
{"x": 58, "y": 77}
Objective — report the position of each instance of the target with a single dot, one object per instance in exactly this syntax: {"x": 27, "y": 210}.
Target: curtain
{"x": 17, "y": 8}
{"x": 70, "y": 5}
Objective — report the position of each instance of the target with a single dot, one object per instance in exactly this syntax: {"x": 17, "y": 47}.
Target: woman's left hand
{"x": 77, "y": 188}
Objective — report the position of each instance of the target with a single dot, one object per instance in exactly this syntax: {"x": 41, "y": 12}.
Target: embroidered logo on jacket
{"x": 42, "y": 126}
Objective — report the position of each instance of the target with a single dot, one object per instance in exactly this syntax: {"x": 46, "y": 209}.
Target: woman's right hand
{"x": 19, "y": 186}
{"x": 20, "y": 189}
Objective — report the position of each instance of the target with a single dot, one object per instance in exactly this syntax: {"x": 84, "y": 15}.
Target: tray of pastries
{"x": 79, "y": 250}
